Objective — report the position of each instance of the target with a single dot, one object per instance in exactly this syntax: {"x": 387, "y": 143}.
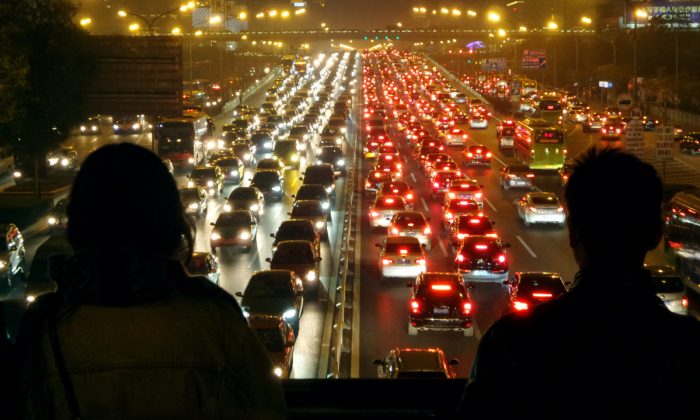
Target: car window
{"x": 271, "y": 338}
{"x": 668, "y": 284}
{"x": 292, "y": 255}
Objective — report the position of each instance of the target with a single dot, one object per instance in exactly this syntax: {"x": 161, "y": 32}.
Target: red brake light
{"x": 474, "y": 221}
{"x": 501, "y": 258}
{"x": 488, "y": 155}
{"x": 478, "y": 150}
{"x": 530, "y": 175}
{"x": 542, "y": 295}
{"x": 684, "y": 301}
{"x": 441, "y": 287}
{"x": 421, "y": 261}
{"x": 481, "y": 247}
{"x": 426, "y": 231}
{"x": 409, "y": 196}
{"x": 520, "y": 306}
{"x": 415, "y": 306}
{"x": 466, "y": 308}
{"x": 436, "y": 184}
{"x": 403, "y": 251}
{"x": 389, "y": 200}
{"x": 374, "y": 214}
{"x": 386, "y": 261}
{"x": 395, "y": 231}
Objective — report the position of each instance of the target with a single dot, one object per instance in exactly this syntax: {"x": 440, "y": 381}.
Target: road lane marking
{"x": 490, "y": 204}
{"x": 526, "y": 246}
{"x": 499, "y": 160}
{"x": 442, "y": 247}
{"x": 413, "y": 177}
{"x": 477, "y": 330}
{"x": 425, "y": 205}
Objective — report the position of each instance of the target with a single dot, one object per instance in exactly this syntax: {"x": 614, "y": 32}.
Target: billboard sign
{"x": 494, "y": 64}
{"x": 534, "y": 59}
{"x": 664, "y": 143}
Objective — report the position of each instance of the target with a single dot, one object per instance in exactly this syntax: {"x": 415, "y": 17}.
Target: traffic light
{"x": 397, "y": 37}
{"x": 386, "y": 37}
{"x": 366, "y": 37}
{"x": 376, "y": 37}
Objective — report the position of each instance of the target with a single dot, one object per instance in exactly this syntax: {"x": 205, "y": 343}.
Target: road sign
{"x": 634, "y": 136}
{"x": 534, "y": 59}
{"x": 664, "y": 143}
{"x": 635, "y": 113}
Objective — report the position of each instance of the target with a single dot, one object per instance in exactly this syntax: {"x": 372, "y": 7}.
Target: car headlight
{"x": 190, "y": 161}
{"x": 278, "y": 371}
{"x": 341, "y": 162}
{"x": 290, "y": 313}
{"x": 65, "y": 162}
{"x": 192, "y": 206}
{"x": 3, "y": 265}
{"x": 276, "y": 188}
{"x": 52, "y": 220}
{"x": 339, "y": 141}
{"x": 210, "y": 183}
{"x": 267, "y": 145}
{"x": 83, "y": 128}
{"x": 135, "y": 126}
{"x": 93, "y": 128}
{"x": 246, "y": 156}
{"x": 17, "y": 174}
{"x": 325, "y": 205}
{"x": 245, "y": 235}
{"x": 245, "y": 312}
{"x": 30, "y": 298}
{"x": 254, "y": 207}
{"x": 311, "y": 276}
{"x": 215, "y": 236}
{"x": 190, "y": 184}
{"x": 295, "y": 158}
{"x": 343, "y": 130}
{"x": 227, "y": 207}
{"x": 115, "y": 127}
{"x": 53, "y": 161}
{"x": 329, "y": 189}
{"x": 319, "y": 225}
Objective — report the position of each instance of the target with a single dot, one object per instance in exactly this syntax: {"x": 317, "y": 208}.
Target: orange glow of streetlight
{"x": 243, "y": 16}
{"x": 285, "y": 14}
{"x": 176, "y": 31}
{"x": 122, "y": 13}
{"x": 471, "y": 13}
{"x": 444, "y": 10}
{"x": 456, "y": 12}
{"x": 641, "y": 14}
{"x": 493, "y": 17}
{"x": 134, "y": 27}
{"x": 586, "y": 20}
{"x": 215, "y": 20}
{"x": 260, "y": 15}
{"x": 272, "y": 13}
{"x": 85, "y": 22}
{"x": 552, "y": 25}
{"x": 300, "y": 11}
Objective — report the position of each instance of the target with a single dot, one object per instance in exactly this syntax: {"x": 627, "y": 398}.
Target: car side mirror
{"x": 289, "y": 213}
{"x": 290, "y": 341}
{"x": 568, "y": 284}
{"x": 301, "y": 178}
{"x": 293, "y": 196}
{"x": 239, "y": 294}
{"x": 453, "y": 362}
{"x": 272, "y": 235}
{"x": 13, "y": 248}
{"x": 268, "y": 259}
{"x": 506, "y": 245}
{"x": 212, "y": 224}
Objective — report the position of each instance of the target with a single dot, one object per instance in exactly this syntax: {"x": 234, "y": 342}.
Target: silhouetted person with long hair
{"x": 609, "y": 348}
{"x": 129, "y": 334}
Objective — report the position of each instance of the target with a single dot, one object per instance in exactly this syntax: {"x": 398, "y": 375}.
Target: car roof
{"x": 420, "y": 360}
{"x": 661, "y": 270}
{"x": 406, "y": 240}
{"x": 538, "y": 276}
{"x": 294, "y": 243}
{"x": 273, "y": 273}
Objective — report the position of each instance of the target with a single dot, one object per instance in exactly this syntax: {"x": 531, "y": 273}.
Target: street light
{"x": 85, "y": 22}
{"x": 272, "y": 13}
{"x": 399, "y": 24}
{"x": 493, "y": 17}
{"x": 552, "y": 26}
{"x": 586, "y": 20}
{"x": 300, "y": 11}
{"x": 151, "y": 22}
{"x": 638, "y": 14}
{"x": 215, "y": 20}
{"x": 243, "y": 16}
{"x": 456, "y": 12}
{"x": 471, "y": 13}
{"x": 134, "y": 27}
{"x": 176, "y": 31}
{"x": 285, "y": 14}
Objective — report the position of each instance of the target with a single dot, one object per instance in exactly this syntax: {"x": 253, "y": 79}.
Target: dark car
{"x": 517, "y": 175}
{"x": 206, "y": 265}
{"x": 415, "y": 363}
{"x": 234, "y": 228}
{"x": 232, "y": 168}
{"x": 528, "y": 289}
{"x": 690, "y": 143}
{"x": 314, "y": 192}
{"x": 278, "y": 338}
{"x": 263, "y": 142}
{"x": 194, "y": 200}
{"x": 482, "y": 258}
{"x": 208, "y": 177}
{"x": 297, "y": 229}
{"x": 321, "y": 173}
{"x": 477, "y": 155}
{"x": 334, "y": 156}
{"x": 12, "y": 259}
{"x": 440, "y": 301}
{"x": 246, "y": 198}
{"x": 57, "y": 218}
{"x": 245, "y": 151}
{"x": 400, "y": 188}
{"x": 274, "y": 292}
{"x": 299, "y": 257}
{"x": 470, "y": 225}
{"x": 269, "y": 183}
{"x": 311, "y": 210}
{"x": 39, "y": 281}
{"x": 286, "y": 151}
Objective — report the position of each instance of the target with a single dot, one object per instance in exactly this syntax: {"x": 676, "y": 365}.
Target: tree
{"x": 45, "y": 69}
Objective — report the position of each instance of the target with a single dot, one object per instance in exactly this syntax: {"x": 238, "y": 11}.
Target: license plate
{"x": 478, "y": 156}
{"x": 480, "y": 272}
{"x": 441, "y": 311}
{"x": 411, "y": 233}
{"x": 520, "y": 183}
{"x": 404, "y": 261}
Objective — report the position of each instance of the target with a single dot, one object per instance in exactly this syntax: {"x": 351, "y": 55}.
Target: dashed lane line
{"x": 413, "y": 177}
{"x": 425, "y": 205}
{"x": 490, "y": 204}
{"x": 526, "y": 246}
{"x": 442, "y": 248}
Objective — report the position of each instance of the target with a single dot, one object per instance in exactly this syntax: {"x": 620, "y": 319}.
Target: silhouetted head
{"x": 614, "y": 204}
{"x": 124, "y": 198}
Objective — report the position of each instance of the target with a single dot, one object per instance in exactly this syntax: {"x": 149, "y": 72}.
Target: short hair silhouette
{"x": 124, "y": 198}
{"x": 614, "y": 203}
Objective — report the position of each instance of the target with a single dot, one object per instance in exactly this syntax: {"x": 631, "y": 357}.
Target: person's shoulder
{"x": 199, "y": 287}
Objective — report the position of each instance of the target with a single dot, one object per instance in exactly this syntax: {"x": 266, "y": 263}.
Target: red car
{"x": 528, "y": 289}
{"x": 470, "y": 225}
{"x": 400, "y": 188}
{"x": 477, "y": 155}
{"x": 441, "y": 181}
{"x": 481, "y": 258}
{"x": 460, "y": 207}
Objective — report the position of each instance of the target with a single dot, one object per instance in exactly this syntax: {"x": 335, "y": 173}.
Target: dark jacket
{"x": 142, "y": 339}
{"x": 607, "y": 349}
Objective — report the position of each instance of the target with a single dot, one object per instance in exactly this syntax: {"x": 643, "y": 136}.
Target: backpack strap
{"x": 62, "y": 370}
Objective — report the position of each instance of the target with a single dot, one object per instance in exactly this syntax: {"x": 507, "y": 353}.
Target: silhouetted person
{"x": 609, "y": 348}
{"x": 129, "y": 334}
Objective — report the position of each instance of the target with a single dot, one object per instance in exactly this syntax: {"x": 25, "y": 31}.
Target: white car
{"x": 669, "y": 288}
{"x": 478, "y": 121}
{"x": 541, "y": 207}
{"x": 456, "y": 137}
{"x": 401, "y": 257}
{"x": 384, "y": 208}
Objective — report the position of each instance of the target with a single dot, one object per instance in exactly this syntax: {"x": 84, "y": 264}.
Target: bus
{"x": 300, "y": 67}
{"x": 538, "y": 144}
{"x": 287, "y": 62}
{"x": 181, "y": 139}
{"x": 549, "y": 108}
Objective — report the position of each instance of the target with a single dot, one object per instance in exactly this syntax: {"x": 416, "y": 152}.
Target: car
{"x": 530, "y": 288}
{"x": 477, "y": 155}
{"x": 278, "y": 292}
{"x": 287, "y": 153}
{"x": 593, "y": 123}
{"x": 264, "y": 143}
{"x": 297, "y": 229}
{"x": 232, "y": 168}
{"x": 440, "y": 301}
{"x": 455, "y": 137}
{"x": 395, "y": 168}
{"x": 649, "y": 123}
{"x": 669, "y": 288}
{"x": 313, "y": 211}
{"x": 612, "y": 129}
{"x": 690, "y": 143}
{"x": 411, "y": 223}
{"x": 12, "y": 257}
{"x": 465, "y": 189}
{"x": 375, "y": 179}
{"x": 63, "y": 159}
{"x": 245, "y": 151}
{"x": 374, "y": 143}
{"x": 478, "y": 121}
{"x": 128, "y": 124}
{"x": 401, "y": 257}
{"x": 90, "y": 126}
{"x": 57, "y": 218}
{"x": 466, "y": 225}
{"x": 517, "y": 175}
{"x": 270, "y": 164}
{"x": 565, "y": 172}
{"x": 334, "y": 156}
{"x": 321, "y": 173}
{"x": 440, "y": 182}
{"x": 447, "y": 165}
{"x": 234, "y": 228}
{"x": 269, "y": 183}
{"x": 541, "y": 207}
{"x": 208, "y": 177}
{"x": 194, "y": 200}
{"x": 333, "y": 134}
{"x": 400, "y": 188}
{"x": 299, "y": 257}
{"x": 278, "y": 338}
{"x": 206, "y": 265}
{"x": 458, "y": 207}
{"x": 416, "y": 363}
{"x": 482, "y": 258}
{"x": 246, "y": 198}
{"x": 433, "y": 161}
{"x": 384, "y": 208}
{"x": 301, "y": 132}
{"x": 314, "y": 192}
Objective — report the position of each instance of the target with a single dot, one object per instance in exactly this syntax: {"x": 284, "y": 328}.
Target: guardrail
{"x": 448, "y": 74}
{"x": 250, "y": 90}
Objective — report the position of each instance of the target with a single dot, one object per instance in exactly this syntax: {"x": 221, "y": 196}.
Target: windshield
{"x": 271, "y": 339}
{"x": 243, "y": 194}
{"x": 203, "y": 173}
{"x": 292, "y": 254}
{"x": 285, "y": 147}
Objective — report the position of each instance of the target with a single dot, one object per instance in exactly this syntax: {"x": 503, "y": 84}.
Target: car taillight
{"x": 395, "y": 231}
{"x": 426, "y": 231}
{"x": 436, "y": 184}
{"x": 409, "y": 196}
{"x": 478, "y": 195}
{"x": 530, "y": 175}
{"x": 470, "y": 154}
{"x": 461, "y": 235}
{"x": 415, "y": 306}
{"x": 460, "y": 258}
{"x": 368, "y": 184}
{"x": 488, "y": 155}
{"x": 448, "y": 215}
{"x": 684, "y": 301}
{"x": 387, "y": 261}
{"x": 520, "y": 306}
{"x": 501, "y": 259}
{"x": 374, "y": 214}
{"x": 542, "y": 295}
{"x": 466, "y": 308}
{"x": 420, "y": 261}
